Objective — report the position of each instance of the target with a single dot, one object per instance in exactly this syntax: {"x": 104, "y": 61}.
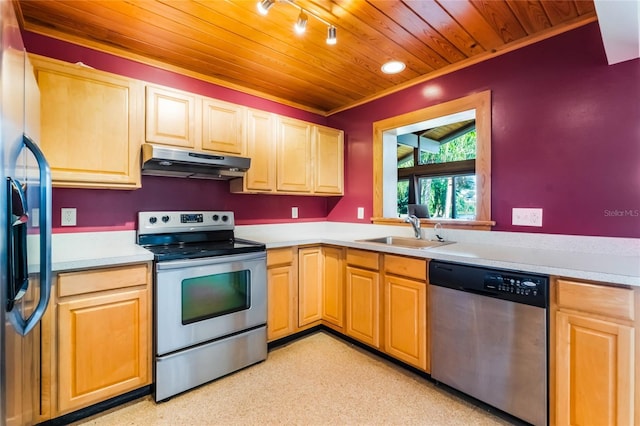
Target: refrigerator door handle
{"x": 25, "y": 326}
{"x": 17, "y": 244}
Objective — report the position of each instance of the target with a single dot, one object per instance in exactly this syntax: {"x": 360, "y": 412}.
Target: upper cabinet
{"x": 178, "y": 118}
{"x": 91, "y": 125}
{"x": 261, "y": 148}
{"x": 293, "y": 159}
{"x": 223, "y": 125}
{"x": 170, "y": 117}
{"x": 290, "y": 156}
{"x": 94, "y": 123}
{"x": 329, "y": 160}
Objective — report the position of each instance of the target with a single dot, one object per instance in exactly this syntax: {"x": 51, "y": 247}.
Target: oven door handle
{"x": 206, "y": 261}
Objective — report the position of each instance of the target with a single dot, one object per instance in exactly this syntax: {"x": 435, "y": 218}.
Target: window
{"x": 457, "y": 192}
{"x": 443, "y": 180}
{"x": 452, "y": 197}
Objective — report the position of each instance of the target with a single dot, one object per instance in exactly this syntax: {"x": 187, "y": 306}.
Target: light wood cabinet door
{"x": 281, "y": 301}
{"x": 405, "y": 319}
{"x": 310, "y": 276}
{"x": 290, "y": 156}
{"x": 333, "y": 288}
{"x": 261, "y": 148}
{"x": 91, "y": 124}
{"x": 103, "y": 347}
{"x": 294, "y": 158}
{"x": 594, "y": 371}
{"x": 171, "y": 117}
{"x": 329, "y": 160}
{"x": 363, "y": 305}
{"x": 223, "y": 127}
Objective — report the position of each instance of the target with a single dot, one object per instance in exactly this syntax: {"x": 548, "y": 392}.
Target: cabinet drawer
{"x": 363, "y": 259}
{"x": 72, "y": 283}
{"x": 613, "y": 302}
{"x": 406, "y": 266}
{"x": 279, "y": 256}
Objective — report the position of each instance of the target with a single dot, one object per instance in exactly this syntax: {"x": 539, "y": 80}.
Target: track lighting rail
{"x": 301, "y": 23}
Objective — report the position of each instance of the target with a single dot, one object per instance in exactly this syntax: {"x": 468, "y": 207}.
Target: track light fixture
{"x": 301, "y": 23}
{"x": 264, "y": 6}
{"x": 331, "y": 35}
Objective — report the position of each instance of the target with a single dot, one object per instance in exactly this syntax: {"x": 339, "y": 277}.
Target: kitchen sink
{"x": 406, "y": 242}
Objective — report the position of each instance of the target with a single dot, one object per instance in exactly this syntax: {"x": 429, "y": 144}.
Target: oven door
{"x": 199, "y": 300}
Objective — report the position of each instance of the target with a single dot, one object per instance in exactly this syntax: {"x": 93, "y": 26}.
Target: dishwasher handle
{"x": 479, "y": 292}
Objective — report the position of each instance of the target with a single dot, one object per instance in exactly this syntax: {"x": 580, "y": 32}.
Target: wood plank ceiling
{"x": 230, "y": 43}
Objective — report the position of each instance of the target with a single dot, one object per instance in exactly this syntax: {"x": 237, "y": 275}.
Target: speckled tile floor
{"x": 317, "y": 380}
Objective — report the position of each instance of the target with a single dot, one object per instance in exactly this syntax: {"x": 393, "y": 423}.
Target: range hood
{"x": 178, "y": 162}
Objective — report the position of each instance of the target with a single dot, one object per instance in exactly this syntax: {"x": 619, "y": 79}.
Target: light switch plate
{"x": 294, "y": 212}
{"x": 360, "y": 212}
{"x": 526, "y": 217}
{"x": 68, "y": 216}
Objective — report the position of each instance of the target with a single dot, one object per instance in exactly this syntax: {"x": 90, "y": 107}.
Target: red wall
{"x": 115, "y": 209}
{"x": 565, "y": 138}
{"x": 565, "y": 135}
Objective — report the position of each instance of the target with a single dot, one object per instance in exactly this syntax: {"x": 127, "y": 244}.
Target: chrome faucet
{"x": 415, "y": 222}
{"x": 437, "y": 230}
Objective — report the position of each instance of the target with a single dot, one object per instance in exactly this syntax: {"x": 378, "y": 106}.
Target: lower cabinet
{"x": 101, "y": 350}
{"x": 363, "y": 296}
{"x": 311, "y": 277}
{"x": 384, "y": 307}
{"x": 321, "y": 286}
{"x": 99, "y": 337}
{"x": 333, "y": 287}
{"x": 405, "y": 310}
{"x": 595, "y": 354}
{"x": 386, "y": 304}
{"x": 305, "y": 287}
{"x": 282, "y": 292}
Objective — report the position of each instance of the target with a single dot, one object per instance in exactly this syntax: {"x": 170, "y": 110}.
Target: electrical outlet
{"x": 35, "y": 217}
{"x": 68, "y": 216}
{"x": 294, "y": 212}
{"x": 360, "y": 212}
{"x": 526, "y": 217}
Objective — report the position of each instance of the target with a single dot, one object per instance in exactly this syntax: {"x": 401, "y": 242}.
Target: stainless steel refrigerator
{"x": 25, "y": 223}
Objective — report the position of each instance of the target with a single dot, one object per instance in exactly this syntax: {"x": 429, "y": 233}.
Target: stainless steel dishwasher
{"x": 489, "y": 336}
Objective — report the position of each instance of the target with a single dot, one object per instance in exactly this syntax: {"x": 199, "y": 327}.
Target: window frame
{"x": 481, "y": 103}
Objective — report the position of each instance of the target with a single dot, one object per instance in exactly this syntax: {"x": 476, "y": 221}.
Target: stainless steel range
{"x": 210, "y": 292}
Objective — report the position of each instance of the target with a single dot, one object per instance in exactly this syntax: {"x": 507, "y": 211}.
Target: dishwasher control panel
{"x": 514, "y": 284}
{"x": 520, "y": 287}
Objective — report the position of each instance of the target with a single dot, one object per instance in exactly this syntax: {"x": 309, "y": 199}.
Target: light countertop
{"x": 85, "y": 250}
{"x": 609, "y": 260}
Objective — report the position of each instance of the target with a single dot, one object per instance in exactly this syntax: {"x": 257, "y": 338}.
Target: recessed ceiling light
{"x": 393, "y": 67}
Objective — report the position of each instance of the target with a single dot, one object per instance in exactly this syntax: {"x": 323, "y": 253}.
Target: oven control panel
{"x": 176, "y": 221}
{"x": 191, "y": 218}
